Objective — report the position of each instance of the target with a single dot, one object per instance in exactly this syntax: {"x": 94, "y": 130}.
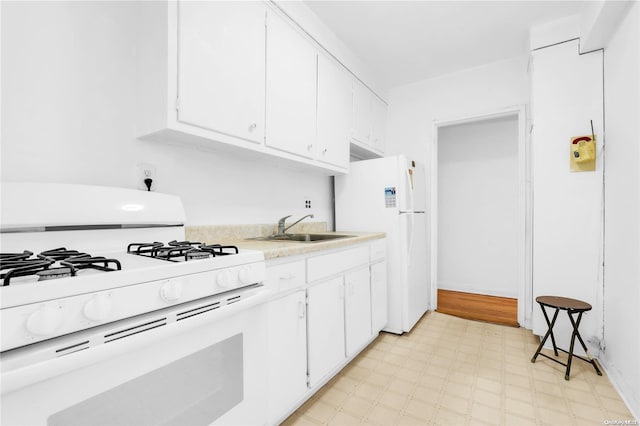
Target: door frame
{"x": 525, "y": 208}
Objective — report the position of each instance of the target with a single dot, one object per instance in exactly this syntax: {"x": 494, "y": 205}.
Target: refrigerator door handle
{"x": 410, "y": 235}
{"x": 410, "y": 211}
{"x": 407, "y": 173}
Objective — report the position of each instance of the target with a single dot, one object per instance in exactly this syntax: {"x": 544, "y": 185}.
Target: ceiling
{"x": 407, "y": 41}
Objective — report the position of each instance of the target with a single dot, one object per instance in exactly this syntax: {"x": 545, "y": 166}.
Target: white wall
{"x": 567, "y": 207}
{"x": 478, "y": 207}
{"x": 413, "y": 108}
{"x": 622, "y": 207}
{"x": 68, "y": 111}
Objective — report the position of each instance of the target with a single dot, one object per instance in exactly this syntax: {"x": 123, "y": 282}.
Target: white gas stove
{"x": 76, "y": 257}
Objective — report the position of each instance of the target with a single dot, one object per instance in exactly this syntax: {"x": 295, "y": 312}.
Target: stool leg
{"x": 573, "y": 340}
{"x": 553, "y": 339}
{"x": 549, "y": 333}
{"x": 586, "y": 351}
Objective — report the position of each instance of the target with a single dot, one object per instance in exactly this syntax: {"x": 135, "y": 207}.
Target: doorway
{"x": 479, "y": 218}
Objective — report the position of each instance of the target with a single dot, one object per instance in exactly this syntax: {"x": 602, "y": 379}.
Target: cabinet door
{"x": 287, "y": 353}
{"x": 361, "y": 127}
{"x": 325, "y": 325}
{"x": 378, "y": 296}
{"x": 335, "y": 108}
{"x": 221, "y": 67}
{"x": 378, "y": 123}
{"x": 357, "y": 306}
{"x": 291, "y": 89}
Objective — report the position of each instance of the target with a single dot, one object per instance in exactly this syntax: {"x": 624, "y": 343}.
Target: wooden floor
{"x": 498, "y": 310}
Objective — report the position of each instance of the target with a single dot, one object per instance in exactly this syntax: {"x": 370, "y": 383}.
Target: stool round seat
{"x": 564, "y": 303}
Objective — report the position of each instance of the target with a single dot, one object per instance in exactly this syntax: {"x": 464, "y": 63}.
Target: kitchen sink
{"x": 302, "y": 238}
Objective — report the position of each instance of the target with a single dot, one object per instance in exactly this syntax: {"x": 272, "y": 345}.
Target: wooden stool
{"x": 572, "y": 306}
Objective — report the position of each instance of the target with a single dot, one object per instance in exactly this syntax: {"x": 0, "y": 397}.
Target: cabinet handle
{"x": 309, "y": 147}
{"x": 252, "y": 127}
{"x": 324, "y": 151}
{"x": 301, "y": 310}
{"x": 287, "y": 277}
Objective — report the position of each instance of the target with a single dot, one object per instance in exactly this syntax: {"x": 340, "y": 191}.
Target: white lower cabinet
{"x": 328, "y": 306}
{"x": 357, "y": 310}
{"x": 378, "y": 296}
{"x": 286, "y": 354}
{"x": 325, "y": 322}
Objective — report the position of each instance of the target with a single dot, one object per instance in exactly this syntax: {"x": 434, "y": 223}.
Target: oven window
{"x": 194, "y": 390}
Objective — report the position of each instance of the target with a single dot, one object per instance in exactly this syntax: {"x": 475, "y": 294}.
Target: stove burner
{"x": 14, "y": 265}
{"x": 53, "y": 273}
{"x": 180, "y": 250}
{"x": 197, "y": 254}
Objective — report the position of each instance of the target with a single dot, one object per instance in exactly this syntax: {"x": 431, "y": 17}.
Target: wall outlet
{"x": 307, "y": 203}
{"x": 146, "y": 176}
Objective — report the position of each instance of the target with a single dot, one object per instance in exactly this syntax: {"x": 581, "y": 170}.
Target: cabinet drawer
{"x": 286, "y": 276}
{"x": 378, "y": 250}
{"x": 334, "y": 263}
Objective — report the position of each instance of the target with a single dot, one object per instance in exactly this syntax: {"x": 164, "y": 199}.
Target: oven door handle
{"x": 28, "y": 372}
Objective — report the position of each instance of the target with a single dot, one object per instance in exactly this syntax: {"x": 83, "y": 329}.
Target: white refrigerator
{"x": 389, "y": 195}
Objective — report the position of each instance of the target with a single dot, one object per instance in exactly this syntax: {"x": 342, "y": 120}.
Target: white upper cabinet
{"x": 241, "y": 76}
{"x": 221, "y": 67}
{"x": 335, "y": 109}
{"x": 369, "y": 123}
{"x": 291, "y": 89}
{"x": 378, "y": 124}
{"x": 361, "y": 129}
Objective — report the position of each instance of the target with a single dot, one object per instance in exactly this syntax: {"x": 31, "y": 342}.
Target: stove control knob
{"x": 45, "y": 321}
{"x": 98, "y": 307}
{"x": 225, "y": 279}
{"x": 246, "y": 275}
{"x": 171, "y": 291}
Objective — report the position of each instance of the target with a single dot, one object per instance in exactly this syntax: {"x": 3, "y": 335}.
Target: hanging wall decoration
{"x": 582, "y": 153}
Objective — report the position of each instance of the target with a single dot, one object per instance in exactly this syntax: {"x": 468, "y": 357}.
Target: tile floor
{"x": 454, "y": 371}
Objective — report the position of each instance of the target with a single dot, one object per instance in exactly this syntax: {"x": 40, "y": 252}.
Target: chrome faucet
{"x": 281, "y": 227}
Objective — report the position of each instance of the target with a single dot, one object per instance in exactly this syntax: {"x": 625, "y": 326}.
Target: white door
{"x": 325, "y": 325}
{"x": 221, "y": 66}
{"x": 378, "y": 296}
{"x": 291, "y": 89}
{"x": 335, "y": 107}
{"x": 357, "y": 307}
{"x": 286, "y": 354}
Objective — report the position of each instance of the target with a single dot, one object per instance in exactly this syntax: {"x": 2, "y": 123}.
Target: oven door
{"x": 206, "y": 369}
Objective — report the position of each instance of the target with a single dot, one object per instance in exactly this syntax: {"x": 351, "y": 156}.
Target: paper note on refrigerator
{"x": 390, "y": 197}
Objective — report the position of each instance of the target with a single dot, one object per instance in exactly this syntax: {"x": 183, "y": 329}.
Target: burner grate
{"x": 60, "y": 253}
{"x": 219, "y": 250}
{"x": 22, "y": 268}
{"x": 92, "y": 262}
{"x": 180, "y": 250}
{"x": 51, "y": 264}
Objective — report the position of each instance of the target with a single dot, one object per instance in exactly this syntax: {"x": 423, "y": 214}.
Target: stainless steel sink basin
{"x": 302, "y": 238}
